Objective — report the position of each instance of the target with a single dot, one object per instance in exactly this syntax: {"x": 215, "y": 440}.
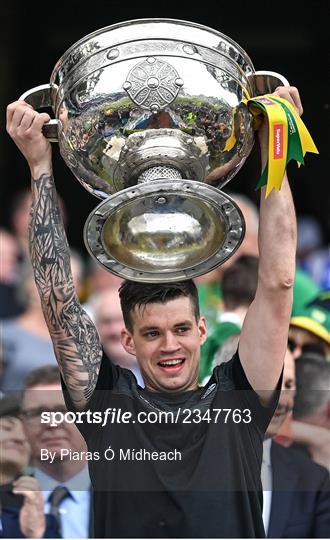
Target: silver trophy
{"x": 149, "y": 117}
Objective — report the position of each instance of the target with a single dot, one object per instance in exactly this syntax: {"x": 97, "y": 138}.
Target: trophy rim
{"x": 234, "y": 235}
{"x": 61, "y": 61}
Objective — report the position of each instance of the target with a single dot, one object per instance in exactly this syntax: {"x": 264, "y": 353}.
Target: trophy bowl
{"x": 149, "y": 117}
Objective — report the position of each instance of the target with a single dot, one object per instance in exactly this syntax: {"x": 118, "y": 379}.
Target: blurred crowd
{"x": 40, "y": 499}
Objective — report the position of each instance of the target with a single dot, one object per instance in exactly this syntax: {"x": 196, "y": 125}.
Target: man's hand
{"x": 291, "y": 94}
{"x": 24, "y": 125}
{"x": 32, "y": 519}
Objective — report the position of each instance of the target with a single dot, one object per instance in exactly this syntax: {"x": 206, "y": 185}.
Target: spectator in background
{"x": 21, "y": 502}
{"x": 305, "y": 289}
{"x": 311, "y": 429}
{"x": 312, "y": 403}
{"x": 209, "y": 285}
{"x": 20, "y": 216}
{"x": 296, "y": 490}
{"x": 9, "y": 276}
{"x": 312, "y": 255}
{"x": 239, "y": 285}
{"x": 78, "y": 271}
{"x": 109, "y": 322}
{"x": 19, "y": 219}
{"x": 225, "y": 353}
{"x": 98, "y": 280}
{"x": 310, "y": 328}
{"x": 19, "y": 226}
{"x": 26, "y": 341}
{"x": 43, "y": 393}
{"x": 25, "y": 338}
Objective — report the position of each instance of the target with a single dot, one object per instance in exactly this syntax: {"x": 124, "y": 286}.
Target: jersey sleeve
{"x": 232, "y": 373}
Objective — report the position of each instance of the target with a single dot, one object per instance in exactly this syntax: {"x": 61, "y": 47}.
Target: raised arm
{"x": 75, "y": 339}
{"x": 264, "y": 334}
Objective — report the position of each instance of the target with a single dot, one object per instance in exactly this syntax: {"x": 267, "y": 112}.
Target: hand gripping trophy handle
{"x": 40, "y": 97}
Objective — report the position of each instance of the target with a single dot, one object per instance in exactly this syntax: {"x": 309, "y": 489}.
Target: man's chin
{"x": 177, "y": 385}
{"x": 57, "y": 447}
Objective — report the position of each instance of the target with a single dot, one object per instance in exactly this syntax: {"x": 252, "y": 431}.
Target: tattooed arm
{"x": 76, "y": 342}
{"x": 75, "y": 339}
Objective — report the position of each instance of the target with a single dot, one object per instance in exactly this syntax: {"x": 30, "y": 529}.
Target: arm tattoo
{"x": 76, "y": 342}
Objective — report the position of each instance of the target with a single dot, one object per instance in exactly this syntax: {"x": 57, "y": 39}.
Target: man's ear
{"x": 127, "y": 341}
{"x": 202, "y": 329}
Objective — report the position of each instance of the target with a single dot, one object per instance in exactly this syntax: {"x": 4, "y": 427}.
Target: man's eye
{"x": 290, "y": 385}
{"x": 33, "y": 413}
{"x": 182, "y": 329}
{"x": 151, "y": 333}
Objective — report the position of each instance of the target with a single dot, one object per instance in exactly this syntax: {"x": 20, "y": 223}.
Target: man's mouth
{"x": 172, "y": 364}
{"x": 13, "y": 446}
{"x": 54, "y": 440}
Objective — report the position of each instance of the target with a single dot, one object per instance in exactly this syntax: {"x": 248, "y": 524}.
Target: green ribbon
{"x": 294, "y": 143}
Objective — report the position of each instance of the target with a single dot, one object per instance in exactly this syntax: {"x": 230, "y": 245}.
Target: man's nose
{"x": 297, "y": 352}
{"x": 287, "y": 399}
{"x": 170, "y": 342}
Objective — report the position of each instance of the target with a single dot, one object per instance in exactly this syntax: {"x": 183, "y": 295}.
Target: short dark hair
{"x": 10, "y": 404}
{"x": 133, "y": 294}
{"x": 239, "y": 282}
{"x": 48, "y": 374}
{"x": 312, "y": 383}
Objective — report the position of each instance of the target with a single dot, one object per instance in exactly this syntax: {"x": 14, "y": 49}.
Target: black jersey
{"x": 183, "y": 464}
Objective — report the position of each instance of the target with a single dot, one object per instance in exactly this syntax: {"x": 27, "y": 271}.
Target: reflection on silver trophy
{"x": 149, "y": 117}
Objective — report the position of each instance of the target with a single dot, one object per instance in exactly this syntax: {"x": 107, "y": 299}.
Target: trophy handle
{"x": 40, "y": 97}
{"x": 266, "y": 82}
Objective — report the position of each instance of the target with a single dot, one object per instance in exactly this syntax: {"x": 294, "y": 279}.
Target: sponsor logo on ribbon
{"x": 278, "y": 141}
{"x": 266, "y": 101}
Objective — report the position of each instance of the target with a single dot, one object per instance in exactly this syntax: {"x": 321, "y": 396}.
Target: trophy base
{"x": 164, "y": 230}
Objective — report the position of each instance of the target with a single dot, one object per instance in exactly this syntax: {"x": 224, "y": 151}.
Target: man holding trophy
{"x": 185, "y": 460}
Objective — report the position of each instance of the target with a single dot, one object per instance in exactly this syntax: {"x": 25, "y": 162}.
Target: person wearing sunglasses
{"x": 310, "y": 328}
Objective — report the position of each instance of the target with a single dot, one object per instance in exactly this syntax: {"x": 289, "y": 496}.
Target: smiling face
{"x": 166, "y": 339}
{"x": 48, "y": 397}
{"x": 15, "y": 450}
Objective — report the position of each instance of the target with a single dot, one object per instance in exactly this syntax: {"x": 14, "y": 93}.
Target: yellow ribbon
{"x": 285, "y": 141}
{"x": 306, "y": 140}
